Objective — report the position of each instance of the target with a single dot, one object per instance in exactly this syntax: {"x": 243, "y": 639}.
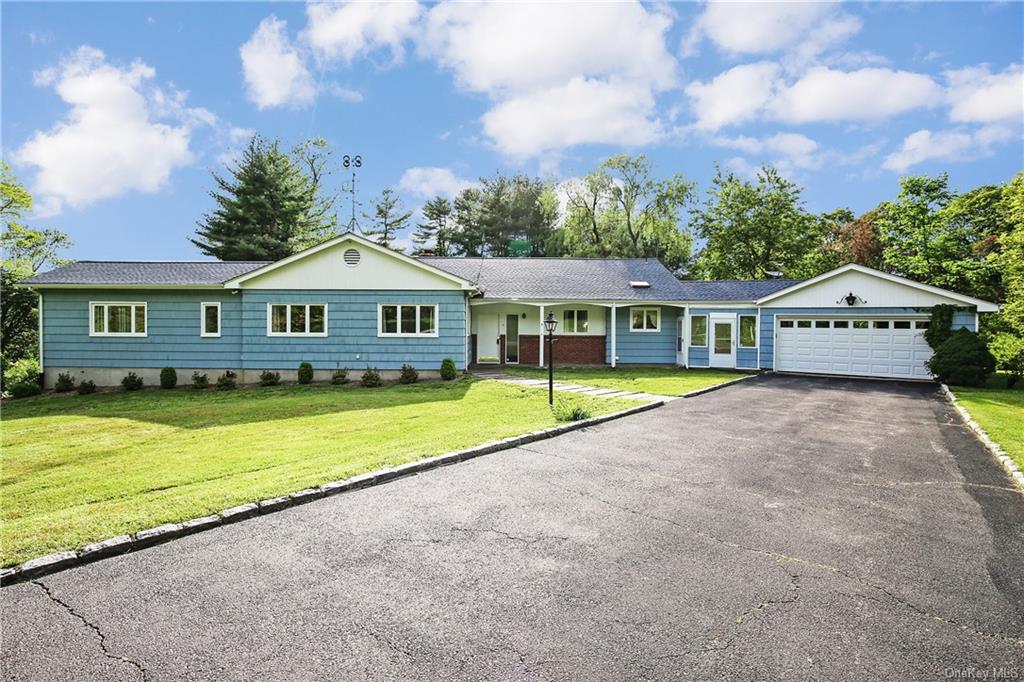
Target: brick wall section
{"x": 528, "y": 351}
{"x": 579, "y": 350}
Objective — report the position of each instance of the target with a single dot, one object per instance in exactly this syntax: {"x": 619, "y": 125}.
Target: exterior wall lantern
{"x": 549, "y": 326}
{"x": 851, "y": 299}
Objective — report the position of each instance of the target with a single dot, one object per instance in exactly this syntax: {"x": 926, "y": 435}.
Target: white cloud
{"x": 275, "y": 73}
{"x": 977, "y": 95}
{"x": 560, "y": 74}
{"x": 743, "y": 28}
{"x": 516, "y": 47}
{"x": 792, "y": 150}
{"x": 734, "y": 96}
{"x": 111, "y": 141}
{"x": 754, "y": 91}
{"x": 947, "y": 145}
{"x": 429, "y": 182}
{"x": 824, "y": 94}
{"x": 582, "y": 111}
{"x": 345, "y": 94}
{"x": 345, "y": 31}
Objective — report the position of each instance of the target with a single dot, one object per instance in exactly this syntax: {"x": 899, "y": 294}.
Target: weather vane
{"x": 352, "y": 162}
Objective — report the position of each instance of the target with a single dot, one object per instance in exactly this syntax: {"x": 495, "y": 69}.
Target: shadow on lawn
{"x": 188, "y": 408}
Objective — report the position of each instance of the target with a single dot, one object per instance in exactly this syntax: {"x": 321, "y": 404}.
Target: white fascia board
{"x": 362, "y": 241}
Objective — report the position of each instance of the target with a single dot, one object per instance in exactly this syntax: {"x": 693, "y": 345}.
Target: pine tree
{"x": 267, "y": 208}
{"x": 436, "y": 230}
{"x": 388, "y": 218}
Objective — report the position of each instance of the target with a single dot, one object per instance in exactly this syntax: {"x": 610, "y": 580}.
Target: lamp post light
{"x": 549, "y": 325}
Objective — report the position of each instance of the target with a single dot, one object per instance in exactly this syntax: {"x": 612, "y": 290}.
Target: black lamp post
{"x": 549, "y": 324}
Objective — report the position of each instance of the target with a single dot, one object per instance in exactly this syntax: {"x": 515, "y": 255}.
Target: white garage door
{"x": 892, "y": 347}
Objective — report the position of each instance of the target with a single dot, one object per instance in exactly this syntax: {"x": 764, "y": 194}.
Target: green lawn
{"x": 76, "y": 469}
{"x": 656, "y": 380}
{"x": 1000, "y": 411}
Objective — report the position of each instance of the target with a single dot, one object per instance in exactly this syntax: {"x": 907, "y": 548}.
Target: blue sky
{"x": 114, "y": 114}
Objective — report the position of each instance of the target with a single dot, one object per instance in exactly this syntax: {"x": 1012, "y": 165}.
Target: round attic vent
{"x": 351, "y": 257}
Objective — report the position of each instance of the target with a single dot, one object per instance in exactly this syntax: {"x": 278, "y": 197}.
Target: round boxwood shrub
{"x": 1008, "y": 350}
{"x": 86, "y": 387}
{"x": 448, "y": 370}
{"x": 340, "y": 376}
{"x": 168, "y": 378}
{"x": 131, "y": 382}
{"x": 305, "y": 373}
{"x": 370, "y": 378}
{"x": 65, "y": 382}
{"x": 408, "y": 375}
{"x": 962, "y": 359}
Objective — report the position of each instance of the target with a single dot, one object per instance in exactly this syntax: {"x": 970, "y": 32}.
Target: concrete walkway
{"x": 498, "y": 375}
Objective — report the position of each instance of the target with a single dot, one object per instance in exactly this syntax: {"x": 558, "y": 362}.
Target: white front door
{"x": 680, "y": 341}
{"x": 723, "y": 342}
{"x": 488, "y": 339}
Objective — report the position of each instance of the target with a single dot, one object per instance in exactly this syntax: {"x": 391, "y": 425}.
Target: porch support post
{"x": 540, "y": 336}
{"x": 614, "y": 349}
{"x": 685, "y": 337}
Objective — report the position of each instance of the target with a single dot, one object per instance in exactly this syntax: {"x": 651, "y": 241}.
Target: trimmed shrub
{"x": 569, "y": 412}
{"x": 1008, "y": 350}
{"x": 305, "y": 373}
{"x": 23, "y": 389}
{"x": 340, "y": 376}
{"x": 962, "y": 359}
{"x": 409, "y": 375}
{"x": 168, "y": 378}
{"x": 65, "y": 382}
{"x": 370, "y": 378}
{"x": 940, "y": 326}
{"x": 86, "y": 387}
{"x": 227, "y": 380}
{"x": 448, "y": 370}
{"x": 268, "y": 378}
{"x": 24, "y": 371}
{"x": 131, "y": 382}
{"x": 200, "y": 380}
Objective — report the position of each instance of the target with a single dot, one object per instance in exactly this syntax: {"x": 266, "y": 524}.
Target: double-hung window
{"x": 748, "y": 331}
{"x": 209, "y": 314}
{"x": 575, "y": 321}
{"x": 644, "y": 319}
{"x": 407, "y": 320}
{"x": 296, "y": 319}
{"x": 117, "y": 319}
{"x": 699, "y": 331}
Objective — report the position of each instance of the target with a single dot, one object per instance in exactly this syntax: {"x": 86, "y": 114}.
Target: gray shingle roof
{"x": 597, "y": 279}
{"x": 145, "y": 272}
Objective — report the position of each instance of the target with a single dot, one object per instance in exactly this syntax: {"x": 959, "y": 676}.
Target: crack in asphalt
{"x": 794, "y": 587}
{"x": 1017, "y": 640}
{"x": 509, "y": 536}
{"x": 381, "y": 637}
{"x": 92, "y": 626}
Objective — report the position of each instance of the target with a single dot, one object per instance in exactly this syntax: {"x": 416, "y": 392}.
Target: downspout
{"x": 40, "y": 321}
{"x": 540, "y": 336}
{"x": 686, "y": 337}
{"x": 615, "y": 349}
{"x": 757, "y": 339}
{"x": 465, "y": 335}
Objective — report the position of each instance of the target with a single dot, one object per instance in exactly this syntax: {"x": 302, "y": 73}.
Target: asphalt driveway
{"x": 780, "y": 528}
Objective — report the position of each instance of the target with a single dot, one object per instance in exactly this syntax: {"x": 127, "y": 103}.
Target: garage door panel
{"x": 856, "y": 346}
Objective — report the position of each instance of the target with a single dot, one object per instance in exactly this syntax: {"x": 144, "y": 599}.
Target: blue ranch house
{"x": 350, "y": 303}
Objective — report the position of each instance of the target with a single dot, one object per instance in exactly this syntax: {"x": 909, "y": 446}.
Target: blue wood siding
{"x": 963, "y": 317}
{"x": 173, "y": 331}
{"x": 644, "y": 348}
{"x": 698, "y": 357}
{"x": 352, "y": 339}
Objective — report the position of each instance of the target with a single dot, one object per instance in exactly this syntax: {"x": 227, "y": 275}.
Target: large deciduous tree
{"x": 269, "y": 205}
{"x": 752, "y": 229}
{"x": 26, "y": 251}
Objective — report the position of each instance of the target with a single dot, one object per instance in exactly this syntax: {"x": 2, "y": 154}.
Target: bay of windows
{"x": 298, "y": 319}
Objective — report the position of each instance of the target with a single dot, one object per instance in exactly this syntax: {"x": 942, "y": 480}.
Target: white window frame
{"x": 645, "y": 310}
{"x": 399, "y": 334}
{"x": 575, "y": 321}
{"x": 288, "y": 317}
{"x": 106, "y": 304}
{"x": 707, "y": 331}
{"x": 739, "y": 332}
{"x": 202, "y": 319}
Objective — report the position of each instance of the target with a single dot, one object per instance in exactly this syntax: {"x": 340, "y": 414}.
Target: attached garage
{"x": 855, "y": 321}
{"x": 876, "y": 347}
